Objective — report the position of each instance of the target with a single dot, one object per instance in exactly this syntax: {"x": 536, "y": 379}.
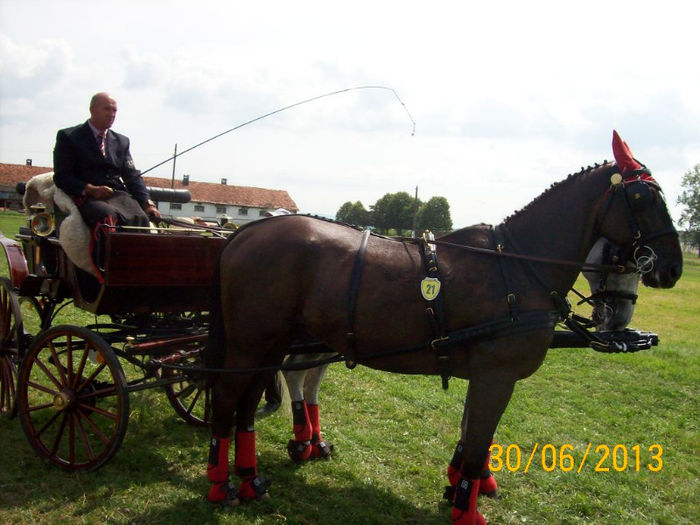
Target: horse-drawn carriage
{"x": 71, "y": 393}
{"x": 66, "y": 383}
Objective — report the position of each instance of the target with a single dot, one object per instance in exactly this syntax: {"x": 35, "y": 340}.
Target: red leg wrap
{"x": 319, "y": 448}
{"x": 246, "y": 467}
{"x": 221, "y": 490}
{"x": 299, "y": 448}
{"x": 315, "y": 420}
{"x": 217, "y": 467}
{"x": 488, "y": 485}
{"x": 302, "y": 424}
{"x": 464, "y": 506}
{"x": 454, "y": 471}
{"x": 246, "y": 464}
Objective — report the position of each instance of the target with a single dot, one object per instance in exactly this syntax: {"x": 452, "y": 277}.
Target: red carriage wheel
{"x": 11, "y": 333}
{"x": 72, "y": 398}
{"x": 191, "y": 396}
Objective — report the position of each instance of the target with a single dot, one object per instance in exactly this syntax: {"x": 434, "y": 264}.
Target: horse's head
{"x": 613, "y": 294}
{"x": 634, "y": 216}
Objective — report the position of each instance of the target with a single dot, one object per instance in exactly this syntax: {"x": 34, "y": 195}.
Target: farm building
{"x": 210, "y": 201}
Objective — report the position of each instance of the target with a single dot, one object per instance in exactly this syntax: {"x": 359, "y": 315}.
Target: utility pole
{"x": 415, "y": 213}
{"x": 172, "y": 181}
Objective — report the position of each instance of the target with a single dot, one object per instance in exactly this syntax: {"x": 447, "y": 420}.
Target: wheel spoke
{"x": 91, "y": 378}
{"x": 59, "y": 433}
{"x": 46, "y": 425}
{"x": 69, "y": 360}
{"x": 84, "y": 438}
{"x": 57, "y": 362}
{"x": 103, "y": 392}
{"x": 42, "y": 388}
{"x": 48, "y": 373}
{"x": 81, "y": 367}
{"x": 95, "y": 428}
{"x": 190, "y": 408}
{"x": 71, "y": 440}
{"x": 186, "y": 390}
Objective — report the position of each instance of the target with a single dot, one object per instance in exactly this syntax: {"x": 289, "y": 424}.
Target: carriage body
{"x": 66, "y": 383}
{"x": 144, "y": 273}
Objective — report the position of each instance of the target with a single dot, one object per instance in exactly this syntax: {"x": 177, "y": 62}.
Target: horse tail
{"x": 215, "y": 351}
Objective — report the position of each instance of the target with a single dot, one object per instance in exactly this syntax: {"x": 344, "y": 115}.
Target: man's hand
{"x": 152, "y": 212}
{"x": 99, "y": 193}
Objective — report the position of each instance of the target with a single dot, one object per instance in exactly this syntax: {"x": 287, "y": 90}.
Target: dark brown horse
{"x": 292, "y": 276}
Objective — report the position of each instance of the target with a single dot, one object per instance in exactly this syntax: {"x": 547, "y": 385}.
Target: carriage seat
{"x": 73, "y": 233}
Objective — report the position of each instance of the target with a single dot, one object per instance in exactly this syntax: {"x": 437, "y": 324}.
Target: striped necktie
{"x": 101, "y": 141}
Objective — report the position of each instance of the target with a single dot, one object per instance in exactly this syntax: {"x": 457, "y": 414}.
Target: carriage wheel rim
{"x": 10, "y": 328}
{"x": 72, "y": 414}
{"x": 191, "y": 398}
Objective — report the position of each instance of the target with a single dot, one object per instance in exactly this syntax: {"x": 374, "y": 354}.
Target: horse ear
{"x": 623, "y": 155}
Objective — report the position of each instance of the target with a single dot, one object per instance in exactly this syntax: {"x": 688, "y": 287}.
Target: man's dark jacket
{"x": 77, "y": 160}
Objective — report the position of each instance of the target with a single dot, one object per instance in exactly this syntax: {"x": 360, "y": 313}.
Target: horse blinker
{"x": 640, "y": 196}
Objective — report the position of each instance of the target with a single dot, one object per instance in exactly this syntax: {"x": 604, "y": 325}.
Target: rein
{"x": 584, "y": 266}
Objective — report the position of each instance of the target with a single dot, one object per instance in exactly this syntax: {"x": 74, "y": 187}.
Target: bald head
{"x": 103, "y": 110}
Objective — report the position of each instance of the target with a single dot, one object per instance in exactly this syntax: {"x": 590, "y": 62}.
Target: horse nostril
{"x": 676, "y": 271}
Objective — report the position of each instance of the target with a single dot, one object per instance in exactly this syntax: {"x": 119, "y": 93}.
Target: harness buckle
{"x": 436, "y": 342}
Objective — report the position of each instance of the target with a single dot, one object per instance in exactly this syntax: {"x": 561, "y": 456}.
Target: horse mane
{"x": 583, "y": 171}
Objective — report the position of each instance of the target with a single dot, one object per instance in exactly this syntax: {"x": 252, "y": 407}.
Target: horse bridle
{"x": 636, "y": 202}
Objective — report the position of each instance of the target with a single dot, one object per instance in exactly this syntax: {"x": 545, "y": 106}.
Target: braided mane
{"x": 556, "y": 185}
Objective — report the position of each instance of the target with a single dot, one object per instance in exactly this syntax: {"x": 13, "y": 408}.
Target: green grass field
{"x": 394, "y": 436}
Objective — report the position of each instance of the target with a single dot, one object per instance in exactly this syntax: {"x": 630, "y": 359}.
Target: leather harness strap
{"x": 500, "y": 242}
{"x": 435, "y": 309}
{"x": 350, "y": 357}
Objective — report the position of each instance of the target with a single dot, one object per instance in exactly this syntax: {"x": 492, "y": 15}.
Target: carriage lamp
{"x": 42, "y": 224}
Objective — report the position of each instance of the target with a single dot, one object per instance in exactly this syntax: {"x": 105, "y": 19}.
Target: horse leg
{"x": 224, "y": 401}
{"x": 299, "y": 448}
{"x": 488, "y": 398}
{"x": 252, "y": 485}
{"x": 234, "y": 396}
{"x": 487, "y": 484}
{"x": 312, "y": 385}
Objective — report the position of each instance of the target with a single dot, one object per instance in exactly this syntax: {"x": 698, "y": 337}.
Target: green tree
{"x": 354, "y": 213}
{"x": 690, "y": 198}
{"x": 435, "y": 215}
{"x": 394, "y": 211}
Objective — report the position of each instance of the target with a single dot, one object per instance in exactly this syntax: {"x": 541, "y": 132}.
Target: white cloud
{"x": 508, "y": 97}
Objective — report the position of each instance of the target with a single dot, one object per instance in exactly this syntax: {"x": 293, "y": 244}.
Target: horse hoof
{"x": 321, "y": 450}
{"x": 224, "y": 494}
{"x": 299, "y": 450}
{"x": 255, "y": 488}
{"x": 490, "y": 495}
{"x": 488, "y": 487}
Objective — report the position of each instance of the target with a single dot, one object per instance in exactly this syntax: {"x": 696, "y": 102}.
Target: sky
{"x": 507, "y": 97}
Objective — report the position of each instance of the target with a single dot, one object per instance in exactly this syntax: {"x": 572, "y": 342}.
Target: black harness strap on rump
{"x": 435, "y": 311}
{"x": 350, "y": 360}
{"x": 511, "y": 298}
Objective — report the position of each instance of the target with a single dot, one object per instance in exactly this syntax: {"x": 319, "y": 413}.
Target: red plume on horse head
{"x": 623, "y": 155}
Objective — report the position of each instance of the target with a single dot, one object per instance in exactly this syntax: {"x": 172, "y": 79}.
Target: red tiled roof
{"x": 212, "y": 193}
{"x": 205, "y": 192}
{"x": 11, "y": 174}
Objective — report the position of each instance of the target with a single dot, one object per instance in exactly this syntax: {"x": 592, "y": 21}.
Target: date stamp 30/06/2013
{"x": 565, "y": 458}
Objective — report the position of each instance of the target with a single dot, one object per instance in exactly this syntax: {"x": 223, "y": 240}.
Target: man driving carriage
{"x": 93, "y": 165}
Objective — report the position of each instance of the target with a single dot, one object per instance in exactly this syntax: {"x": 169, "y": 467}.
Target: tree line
{"x": 690, "y": 199}
{"x": 399, "y": 213}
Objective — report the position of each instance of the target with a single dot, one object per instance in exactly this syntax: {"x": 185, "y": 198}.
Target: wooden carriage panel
{"x": 136, "y": 259}
{"x": 157, "y": 272}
